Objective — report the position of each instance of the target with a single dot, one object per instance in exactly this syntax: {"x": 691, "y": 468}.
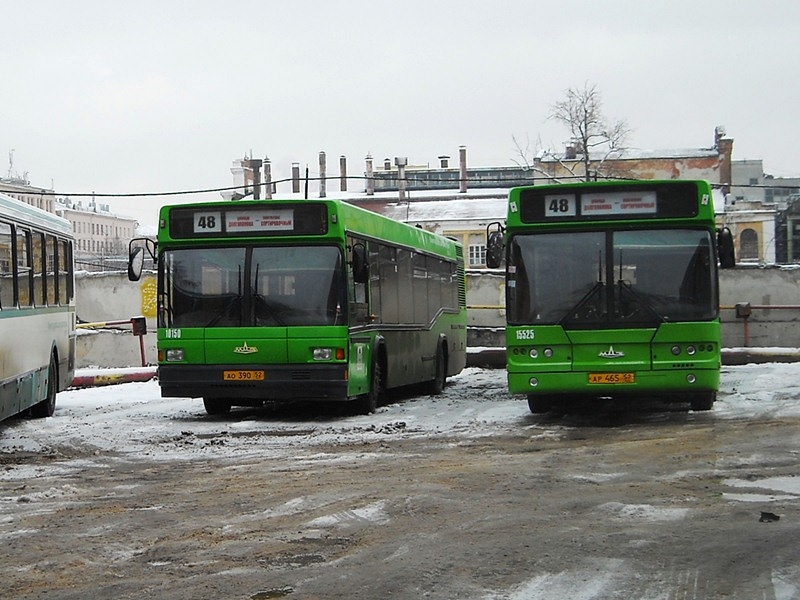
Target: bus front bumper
{"x": 253, "y": 383}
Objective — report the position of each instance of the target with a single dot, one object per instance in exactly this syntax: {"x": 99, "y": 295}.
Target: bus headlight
{"x": 175, "y": 355}
{"x": 691, "y": 378}
{"x": 322, "y": 353}
{"x": 533, "y": 353}
{"x": 533, "y": 382}
{"x": 548, "y": 352}
{"x": 690, "y": 350}
{"x": 676, "y": 350}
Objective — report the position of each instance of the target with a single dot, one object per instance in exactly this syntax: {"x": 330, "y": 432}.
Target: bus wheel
{"x": 704, "y": 401}
{"x": 47, "y": 407}
{"x": 539, "y": 404}
{"x": 217, "y": 406}
{"x": 374, "y": 397}
{"x": 436, "y": 386}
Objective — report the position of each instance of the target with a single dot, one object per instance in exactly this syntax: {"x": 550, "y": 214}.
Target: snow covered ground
{"x": 129, "y": 417}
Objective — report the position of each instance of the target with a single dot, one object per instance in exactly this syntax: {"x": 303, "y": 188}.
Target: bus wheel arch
{"x": 47, "y": 406}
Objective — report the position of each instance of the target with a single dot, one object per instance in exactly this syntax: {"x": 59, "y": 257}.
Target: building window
{"x": 748, "y": 245}
{"x": 477, "y": 255}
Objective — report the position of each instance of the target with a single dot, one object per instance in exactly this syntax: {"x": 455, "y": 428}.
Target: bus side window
{"x": 24, "y": 271}
{"x": 6, "y": 270}
{"x": 39, "y": 279}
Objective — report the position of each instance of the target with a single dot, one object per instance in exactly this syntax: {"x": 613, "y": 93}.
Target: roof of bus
{"x": 359, "y": 219}
{"x": 22, "y": 212}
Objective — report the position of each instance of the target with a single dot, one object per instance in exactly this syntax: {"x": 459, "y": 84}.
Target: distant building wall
{"x": 111, "y": 297}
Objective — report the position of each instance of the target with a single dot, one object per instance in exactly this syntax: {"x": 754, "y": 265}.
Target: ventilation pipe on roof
{"x": 295, "y": 178}
{"x": 254, "y": 164}
{"x": 268, "y": 178}
{"x": 323, "y": 171}
{"x": 370, "y": 177}
{"x": 462, "y": 159}
{"x": 401, "y": 162}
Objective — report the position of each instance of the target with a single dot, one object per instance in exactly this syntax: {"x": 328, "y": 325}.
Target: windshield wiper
{"x": 590, "y": 305}
{"x": 625, "y": 288}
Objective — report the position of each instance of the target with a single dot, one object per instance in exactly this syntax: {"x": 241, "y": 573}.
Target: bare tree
{"x": 581, "y": 111}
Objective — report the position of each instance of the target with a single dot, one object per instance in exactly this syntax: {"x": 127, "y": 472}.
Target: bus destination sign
{"x": 608, "y": 202}
{"x": 619, "y": 203}
{"x": 259, "y": 220}
{"x": 308, "y": 218}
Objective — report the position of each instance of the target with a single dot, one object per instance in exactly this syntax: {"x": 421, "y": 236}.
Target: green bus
{"x": 37, "y": 309}
{"x": 266, "y": 301}
{"x": 612, "y": 292}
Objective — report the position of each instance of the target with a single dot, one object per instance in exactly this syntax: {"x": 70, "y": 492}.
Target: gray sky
{"x": 155, "y": 95}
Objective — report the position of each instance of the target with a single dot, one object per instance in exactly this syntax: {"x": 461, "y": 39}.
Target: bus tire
{"x": 436, "y": 385}
{"x": 703, "y": 401}
{"x": 217, "y": 406}
{"x": 47, "y": 407}
{"x": 539, "y": 404}
{"x": 374, "y": 397}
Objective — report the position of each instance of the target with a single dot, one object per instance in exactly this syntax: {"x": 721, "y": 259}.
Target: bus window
{"x": 39, "y": 279}
{"x": 24, "y": 270}
{"x": 65, "y": 291}
{"x": 6, "y": 271}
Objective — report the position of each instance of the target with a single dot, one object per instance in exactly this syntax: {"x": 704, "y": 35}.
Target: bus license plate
{"x": 612, "y": 378}
{"x": 243, "y": 375}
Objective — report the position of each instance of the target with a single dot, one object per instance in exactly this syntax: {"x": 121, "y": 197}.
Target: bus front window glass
{"x": 297, "y": 285}
{"x": 665, "y": 273}
{"x": 203, "y": 287}
{"x": 555, "y": 277}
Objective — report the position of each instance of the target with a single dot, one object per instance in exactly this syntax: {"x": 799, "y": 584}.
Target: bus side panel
{"x": 359, "y": 363}
{"x": 24, "y": 366}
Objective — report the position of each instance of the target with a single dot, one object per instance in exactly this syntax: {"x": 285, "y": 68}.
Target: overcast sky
{"x": 156, "y": 95}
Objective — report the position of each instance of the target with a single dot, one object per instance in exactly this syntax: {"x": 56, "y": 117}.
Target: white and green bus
{"x": 37, "y": 309}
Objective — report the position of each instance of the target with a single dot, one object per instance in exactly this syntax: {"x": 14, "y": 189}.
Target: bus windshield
{"x": 612, "y": 279}
{"x": 260, "y": 286}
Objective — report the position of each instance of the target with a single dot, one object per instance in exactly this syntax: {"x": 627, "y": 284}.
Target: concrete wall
{"x": 104, "y": 297}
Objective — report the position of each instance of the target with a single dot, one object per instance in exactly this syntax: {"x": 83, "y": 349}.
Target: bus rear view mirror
{"x": 725, "y": 249}
{"x": 360, "y": 265}
{"x": 494, "y": 249}
{"x": 137, "y": 248}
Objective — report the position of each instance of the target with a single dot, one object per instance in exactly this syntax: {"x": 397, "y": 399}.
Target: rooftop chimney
{"x": 444, "y": 162}
{"x": 342, "y": 173}
{"x": 323, "y": 172}
{"x": 462, "y": 159}
{"x": 370, "y": 177}
{"x": 295, "y": 178}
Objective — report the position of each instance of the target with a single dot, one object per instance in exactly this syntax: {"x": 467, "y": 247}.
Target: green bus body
{"x": 37, "y": 308}
{"x": 318, "y": 300}
{"x": 612, "y": 292}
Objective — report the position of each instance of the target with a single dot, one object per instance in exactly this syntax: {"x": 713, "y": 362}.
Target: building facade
{"x": 101, "y": 238}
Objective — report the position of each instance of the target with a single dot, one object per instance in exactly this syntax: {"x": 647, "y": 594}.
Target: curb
{"x": 112, "y": 377}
